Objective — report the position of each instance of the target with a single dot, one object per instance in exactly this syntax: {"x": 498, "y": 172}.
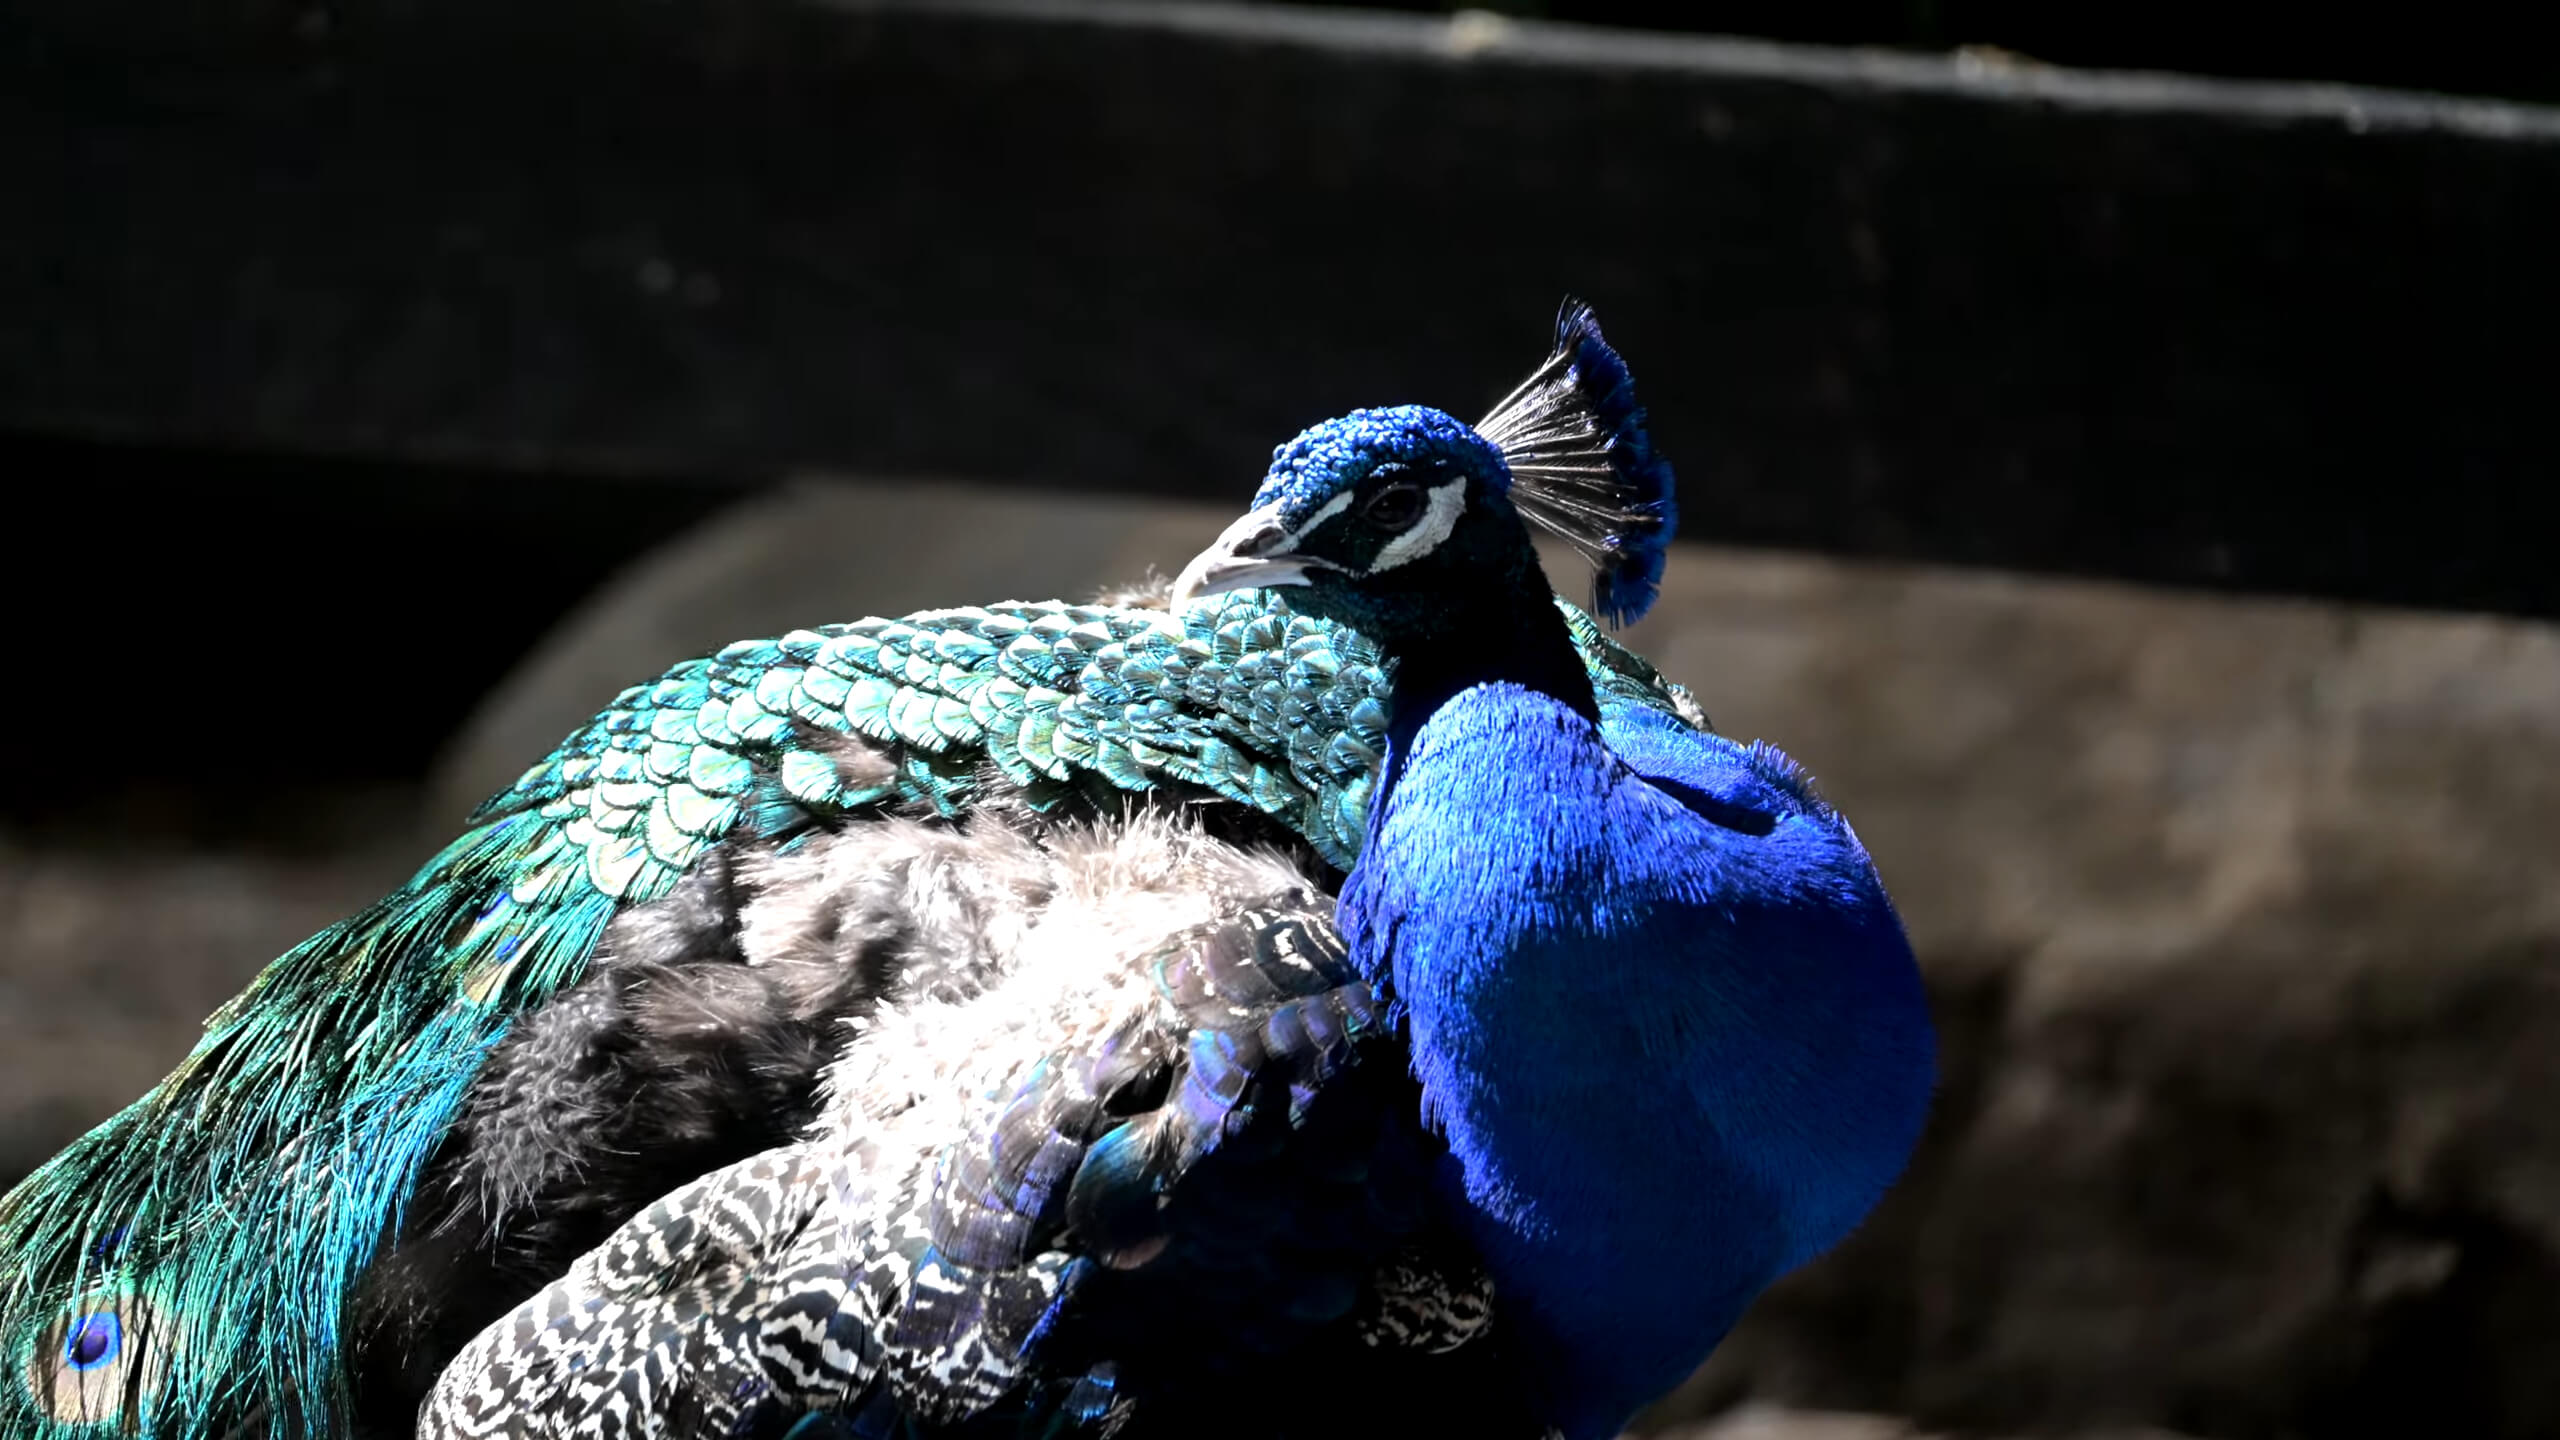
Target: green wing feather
{"x": 187, "y": 1262}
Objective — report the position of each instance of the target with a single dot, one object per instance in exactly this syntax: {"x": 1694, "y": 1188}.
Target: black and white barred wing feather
{"x": 626, "y": 1343}
{"x": 1169, "y": 1136}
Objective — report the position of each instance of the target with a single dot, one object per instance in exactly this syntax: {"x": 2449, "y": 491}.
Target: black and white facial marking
{"x": 1347, "y": 511}
{"x": 1396, "y": 514}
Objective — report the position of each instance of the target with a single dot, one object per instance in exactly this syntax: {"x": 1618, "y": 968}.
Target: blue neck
{"x": 1516, "y": 640}
{"x": 1652, "y": 1037}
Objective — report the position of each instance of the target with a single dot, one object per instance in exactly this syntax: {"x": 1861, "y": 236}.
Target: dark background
{"x": 381, "y": 291}
{"x": 2461, "y": 49}
{"x": 2127, "y": 484}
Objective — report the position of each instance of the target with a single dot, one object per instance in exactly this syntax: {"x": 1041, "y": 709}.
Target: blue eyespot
{"x": 109, "y": 1244}
{"x": 93, "y": 1342}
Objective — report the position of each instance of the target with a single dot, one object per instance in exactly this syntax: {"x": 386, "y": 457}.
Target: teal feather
{"x": 254, "y": 1184}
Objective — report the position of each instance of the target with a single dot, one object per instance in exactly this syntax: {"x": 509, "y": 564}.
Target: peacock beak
{"x": 1253, "y": 551}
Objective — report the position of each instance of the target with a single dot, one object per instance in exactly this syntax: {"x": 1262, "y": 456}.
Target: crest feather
{"x": 1583, "y": 468}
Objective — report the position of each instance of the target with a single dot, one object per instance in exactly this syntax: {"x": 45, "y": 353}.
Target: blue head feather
{"x": 1325, "y": 460}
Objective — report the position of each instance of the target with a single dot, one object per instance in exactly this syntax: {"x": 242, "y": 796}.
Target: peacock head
{"x": 1396, "y": 520}
{"x": 1383, "y": 516}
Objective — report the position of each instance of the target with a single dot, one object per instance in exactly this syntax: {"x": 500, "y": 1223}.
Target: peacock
{"x": 1343, "y": 982}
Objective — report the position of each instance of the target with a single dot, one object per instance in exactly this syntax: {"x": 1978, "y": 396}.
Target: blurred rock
{"x": 2242, "y": 923}
{"x": 2240, "y": 915}
{"x": 110, "y": 960}
{"x": 1765, "y": 1422}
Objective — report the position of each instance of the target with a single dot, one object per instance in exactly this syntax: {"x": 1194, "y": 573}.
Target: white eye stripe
{"x": 1306, "y": 527}
{"x": 1438, "y": 519}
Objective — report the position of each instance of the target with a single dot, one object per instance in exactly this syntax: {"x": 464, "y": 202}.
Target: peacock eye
{"x": 1395, "y": 507}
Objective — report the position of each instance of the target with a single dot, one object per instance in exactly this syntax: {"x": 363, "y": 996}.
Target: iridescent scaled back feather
{"x": 1240, "y": 697}
{"x": 187, "y": 1264}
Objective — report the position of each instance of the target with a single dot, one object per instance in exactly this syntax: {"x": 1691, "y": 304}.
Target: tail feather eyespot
{"x": 97, "y": 1365}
